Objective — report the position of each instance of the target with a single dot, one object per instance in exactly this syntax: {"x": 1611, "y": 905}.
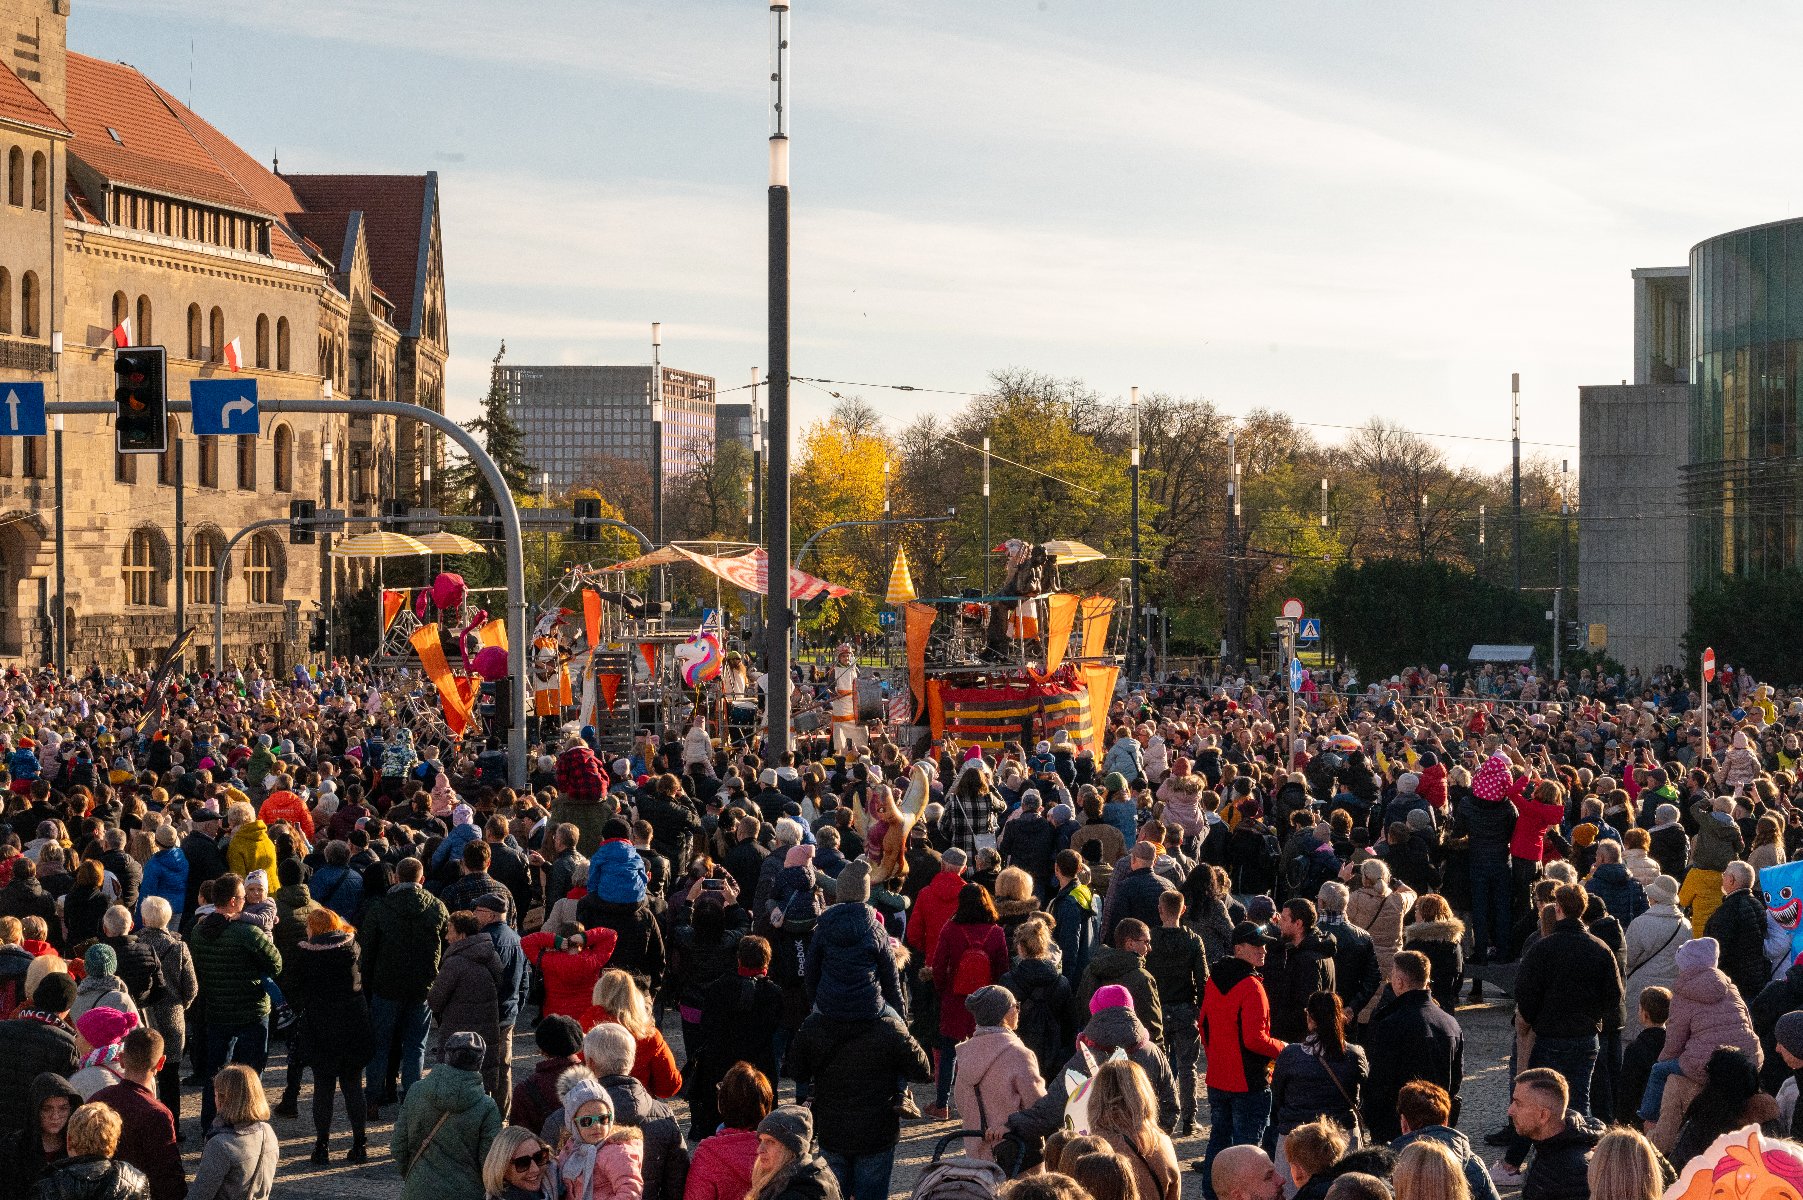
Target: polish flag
{"x": 234, "y": 357}
{"x": 122, "y": 333}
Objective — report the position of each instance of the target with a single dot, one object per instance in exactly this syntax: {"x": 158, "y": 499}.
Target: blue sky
{"x": 1334, "y": 209}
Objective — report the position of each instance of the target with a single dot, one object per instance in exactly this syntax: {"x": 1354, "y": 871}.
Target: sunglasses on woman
{"x": 591, "y": 1120}
{"x": 525, "y": 1161}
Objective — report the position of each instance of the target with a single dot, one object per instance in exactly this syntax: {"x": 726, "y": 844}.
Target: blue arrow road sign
{"x": 885, "y": 618}
{"x": 21, "y": 410}
{"x": 225, "y": 406}
{"x": 1295, "y": 674}
{"x": 1309, "y": 630}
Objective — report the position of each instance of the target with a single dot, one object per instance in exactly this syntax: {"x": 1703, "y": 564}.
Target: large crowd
{"x": 1231, "y": 920}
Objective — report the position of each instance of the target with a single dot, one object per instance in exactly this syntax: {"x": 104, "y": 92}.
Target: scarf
{"x": 102, "y": 1056}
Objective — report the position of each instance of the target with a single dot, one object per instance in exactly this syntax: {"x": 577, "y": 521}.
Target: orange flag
{"x": 391, "y": 606}
{"x": 591, "y": 617}
{"x": 917, "y": 623}
{"x": 648, "y": 651}
{"x": 432, "y": 661}
{"x": 1097, "y": 611}
{"x": 936, "y": 707}
{"x": 1061, "y": 608}
{"x": 1100, "y": 680}
{"x": 609, "y": 685}
{"x": 492, "y": 632}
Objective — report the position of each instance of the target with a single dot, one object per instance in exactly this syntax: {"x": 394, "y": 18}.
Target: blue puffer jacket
{"x": 1620, "y": 892}
{"x": 166, "y": 875}
{"x": 616, "y": 873}
{"x": 850, "y": 970}
{"x": 450, "y": 851}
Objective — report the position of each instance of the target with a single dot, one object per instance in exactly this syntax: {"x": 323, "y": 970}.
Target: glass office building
{"x": 580, "y": 422}
{"x": 1743, "y": 481}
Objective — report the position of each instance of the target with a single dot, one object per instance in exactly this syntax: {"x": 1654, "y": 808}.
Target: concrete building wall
{"x": 1631, "y": 528}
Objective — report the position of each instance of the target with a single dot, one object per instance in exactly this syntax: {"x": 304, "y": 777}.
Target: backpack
{"x": 972, "y": 972}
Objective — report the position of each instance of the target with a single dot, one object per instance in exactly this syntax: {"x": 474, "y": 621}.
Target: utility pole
{"x": 986, "y": 543}
{"x": 776, "y": 540}
{"x": 1515, "y": 446}
{"x": 657, "y": 456}
{"x": 181, "y": 532}
{"x": 1559, "y": 592}
{"x": 325, "y": 539}
{"x": 1233, "y": 550}
{"x": 1324, "y": 502}
{"x": 1135, "y": 651}
{"x": 757, "y": 493}
{"x": 62, "y": 602}
{"x": 1480, "y": 539}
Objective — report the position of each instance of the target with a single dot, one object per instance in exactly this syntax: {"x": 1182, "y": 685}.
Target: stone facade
{"x": 132, "y": 209}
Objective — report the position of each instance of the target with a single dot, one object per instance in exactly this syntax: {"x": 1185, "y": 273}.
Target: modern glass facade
{"x": 579, "y": 421}
{"x": 1743, "y": 480}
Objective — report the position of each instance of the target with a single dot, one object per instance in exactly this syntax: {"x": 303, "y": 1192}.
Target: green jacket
{"x": 402, "y": 939}
{"x": 450, "y": 1165}
{"x": 231, "y": 960}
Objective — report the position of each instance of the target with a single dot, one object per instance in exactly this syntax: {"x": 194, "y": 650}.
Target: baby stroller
{"x": 969, "y": 1178}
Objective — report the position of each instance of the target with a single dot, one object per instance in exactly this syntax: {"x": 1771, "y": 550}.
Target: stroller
{"x": 969, "y": 1178}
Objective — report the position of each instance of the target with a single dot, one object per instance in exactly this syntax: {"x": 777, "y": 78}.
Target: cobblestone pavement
{"x": 1485, "y": 1100}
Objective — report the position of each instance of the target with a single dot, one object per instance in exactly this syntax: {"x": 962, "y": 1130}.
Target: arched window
{"x": 40, "y": 181}
{"x": 145, "y": 568}
{"x": 263, "y": 340}
{"x": 281, "y": 344}
{"x": 216, "y": 335}
{"x": 209, "y": 461}
{"x": 166, "y": 460}
{"x": 15, "y": 181}
{"x": 202, "y": 557}
{"x": 28, "y": 305}
{"x": 121, "y": 309}
{"x": 284, "y": 459}
{"x": 6, "y": 300}
{"x": 141, "y": 332}
{"x": 264, "y": 569}
{"x": 247, "y": 463}
{"x": 194, "y": 332}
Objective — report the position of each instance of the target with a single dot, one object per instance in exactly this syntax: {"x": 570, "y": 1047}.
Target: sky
{"x": 1336, "y": 210}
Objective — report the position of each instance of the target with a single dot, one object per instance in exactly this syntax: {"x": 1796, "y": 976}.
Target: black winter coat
{"x": 854, "y": 1067}
{"x": 1561, "y": 1166}
{"x": 1030, "y": 843}
{"x": 1134, "y": 893}
{"x": 31, "y": 1044}
{"x": 1569, "y": 983}
{"x": 92, "y": 1177}
{"x": 402, "y": 939}
{"x": 1355, "y": 973}
{"x": 1410, "y": 1038}
{"x": 1739, "y": 925}
{"x": 325, "y": 987}
{"x": 23, "y": 898}
{"x": 1292, "y": 974}
{"x": 740, "y": 1018}
{"x": 640, "y": 948}
{"x": 205, "y": 861}
{"x": 1782, "y": 995}
{"x": 1044, "y": 995}
{"x": 1178, "y": 963}
{"x": 1302, "y": 1090}
{"x": 140, "y": 969}
{"x": 1488, "y": 824}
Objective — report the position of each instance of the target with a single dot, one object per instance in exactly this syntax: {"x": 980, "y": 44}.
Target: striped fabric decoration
{"x": 1022, "y": 711}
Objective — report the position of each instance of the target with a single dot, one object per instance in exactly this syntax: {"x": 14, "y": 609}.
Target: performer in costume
{"x": 846, "y": 729}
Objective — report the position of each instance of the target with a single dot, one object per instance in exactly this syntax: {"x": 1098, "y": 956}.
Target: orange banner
{"x": 917, "y": 622}
{"x": 457, "y": 703}
{"x": 493, "y": 633}
{"x": 936, "y": 707}
{"x": 1061, "y": 618}
{"x": 591, "y": 616}
{"x": 1097, "y": 611}
{"x": 1100, "y": 680}
{"x": 609, "y": 687}
{"x": 391, "y": 606}
{"x": 648, "y": 652}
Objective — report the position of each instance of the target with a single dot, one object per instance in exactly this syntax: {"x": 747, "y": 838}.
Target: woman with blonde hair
{"x": 1426, "y": 1170}
{"x": 1625, "y": 1166}
{"x": 239, "y": 1159}
{"x": 1123, "y": 1111}
{"x": 617, "y": 999}
{"x": 519, "y": 1167}
{"x": 1014, "y": 901}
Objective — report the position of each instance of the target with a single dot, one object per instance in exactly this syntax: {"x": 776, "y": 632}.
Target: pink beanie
{"x": 1112, "y": 996}
{"x": 799, "y": 856}
{"x": 101, "y": 1027}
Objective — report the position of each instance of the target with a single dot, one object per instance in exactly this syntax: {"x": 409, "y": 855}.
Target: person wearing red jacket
{"x": 570, "y": 960}
{"x": 1235, "y": 1025}
{"x": 935, "y": 906}
{"x": 1433, "y": 781}
{"x": 286, "y": 805}
{"x": 1542, "y": 808}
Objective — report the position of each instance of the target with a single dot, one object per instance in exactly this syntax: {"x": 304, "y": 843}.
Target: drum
{"x": 871, "y": 705}
{"x": 742, "y": 712}
{"x": 809, "y": 722}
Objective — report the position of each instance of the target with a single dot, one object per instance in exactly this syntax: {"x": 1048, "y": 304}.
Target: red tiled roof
{"x": 325, "y": 231}
{"x": 19, "y": 103}
{"x": 394, "y": 212}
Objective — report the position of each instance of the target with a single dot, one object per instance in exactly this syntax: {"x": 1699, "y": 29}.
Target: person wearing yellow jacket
{"x": 249, "y": 848}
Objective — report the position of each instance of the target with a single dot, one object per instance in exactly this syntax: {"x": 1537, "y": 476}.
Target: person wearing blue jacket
{"x": 616, "y": 873}
{"x": 450, "y": 851}
{"x": 166, "y": 873}
{"x": 850, "y": 969}
{"x": 336, "y": 885}
{"x": 1075, "y": 918}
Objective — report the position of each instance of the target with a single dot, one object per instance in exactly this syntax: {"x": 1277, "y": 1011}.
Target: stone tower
{"x": 34, "y": 38}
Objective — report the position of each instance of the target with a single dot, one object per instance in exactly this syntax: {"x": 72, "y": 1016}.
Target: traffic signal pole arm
{"x": 518, "y": 626}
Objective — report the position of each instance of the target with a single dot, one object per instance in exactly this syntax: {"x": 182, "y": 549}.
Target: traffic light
{"x": 139, "y": 391}
{"x": 588, "y": 518}
{"x": 300, "y": 517}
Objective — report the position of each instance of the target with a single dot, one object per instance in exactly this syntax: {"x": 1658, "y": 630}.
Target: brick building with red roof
{"x": 119, "y": 206}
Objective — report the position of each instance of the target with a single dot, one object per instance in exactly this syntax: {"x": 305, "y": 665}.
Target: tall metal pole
{"x": 62, "y": 603}
{"x": 1233, "y": 553}
{"x": 776, "y": 536}
{"x": 657, "y": 453}
{"x": 757, "y": 492}
{"x": 181, "y": 533}
{"x": 1135, "y": 650}
{"x": 1559, "y": 592}
{"x": 1515, "y": 445}
{"x": 986, "y": 544}
{"x": 325, "y": 544}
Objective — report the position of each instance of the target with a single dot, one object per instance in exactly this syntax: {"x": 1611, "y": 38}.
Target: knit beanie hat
{"x": 1493, "y": 778}
{"x": 585, "y": 1091}
{"x": 793, "y": 1126}
{"x": 462, "y": 814}
{"x": 54, "y": 993}
{"x": 1111, "y": 996}
{"x": 989, "y": 1005}
{"x": 1698, "y": 953}
{"x": 1407, "y": 782}
{"x": 1420, "y": 819}
{"x": 1260, "y": 910}
{"x": 799, "y": 856}
{"x": 257, "y": 879}
{"x": 853, "y": 883}
{"x": 464, "y": 1051}
{"x": 1061, "y": 813}
{"x": 1114, "y": 783}
{"x": 100, "y": 959}
{"x": 558, "y": 1036}
{"x": 105, "y": 1026}
{"x": 1663, "y": 890}
{"x": 1790, "y": 1032}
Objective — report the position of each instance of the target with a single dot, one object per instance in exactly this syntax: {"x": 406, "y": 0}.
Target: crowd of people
{"x": 1216, "y": 924}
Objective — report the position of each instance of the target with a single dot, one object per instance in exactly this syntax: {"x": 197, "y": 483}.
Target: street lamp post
{"x": 986, "y": 546}
{"x": 657, "y": 453}
{"x": 1232, "y": 640}
{"x": 325, "y": 538}
{"x": 1136, "y": 648}
{"x": 779, "y": 619}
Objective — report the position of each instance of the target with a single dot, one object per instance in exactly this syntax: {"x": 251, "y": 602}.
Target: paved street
{"x": 1485, "y": 1099}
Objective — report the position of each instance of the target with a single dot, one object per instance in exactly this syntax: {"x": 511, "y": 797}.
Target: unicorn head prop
{"x": 699, "y": 658}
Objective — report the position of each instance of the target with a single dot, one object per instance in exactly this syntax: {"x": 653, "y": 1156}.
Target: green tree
{"x": 1390, "y": 613}
{"x": 1750, "y": 621}
{"x": 501, "y": 438}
